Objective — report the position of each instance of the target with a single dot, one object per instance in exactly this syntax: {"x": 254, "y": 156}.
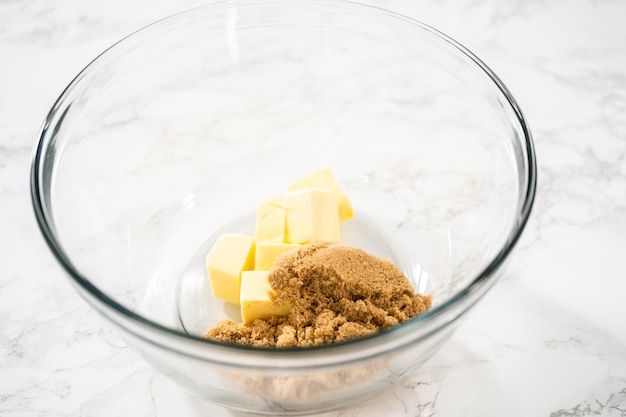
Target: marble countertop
{"x": 548, "y": 340}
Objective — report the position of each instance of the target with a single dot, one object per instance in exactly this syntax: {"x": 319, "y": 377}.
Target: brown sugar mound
{"x": 335, "y": 292}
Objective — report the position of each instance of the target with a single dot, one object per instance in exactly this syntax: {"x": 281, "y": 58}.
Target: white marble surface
{"x": 548, "y": 340}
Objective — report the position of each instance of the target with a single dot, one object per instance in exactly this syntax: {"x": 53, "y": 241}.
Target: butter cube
{"x": 231, "y": 254}
{"x": 270, "y": 220}
{"x": 256, "y": 297}
{"x": 324, "y": 179}
{"x": 311, "y": 216}
{"x": 266, "y": 253}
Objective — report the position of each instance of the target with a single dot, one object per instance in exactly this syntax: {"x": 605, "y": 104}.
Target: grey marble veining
{"x": 549, "y": 340}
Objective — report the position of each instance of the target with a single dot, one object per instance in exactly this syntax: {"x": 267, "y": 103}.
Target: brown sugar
{"x": 335, "y": 292}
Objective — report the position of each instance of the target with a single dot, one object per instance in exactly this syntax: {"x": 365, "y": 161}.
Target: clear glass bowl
{"x": 175, "y": 134}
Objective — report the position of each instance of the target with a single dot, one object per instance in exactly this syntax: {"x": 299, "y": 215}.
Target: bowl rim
{"x": 478, "y": 286}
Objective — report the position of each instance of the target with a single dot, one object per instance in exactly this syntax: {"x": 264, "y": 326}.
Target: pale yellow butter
{"x": 324, "y": 179}
{"x": 256, "y": 297}
{"x": 270, "y": 220}
{"x": 267, "y": 252}
{"x": 311, "y": 216}
{"x": 231, "y": 254}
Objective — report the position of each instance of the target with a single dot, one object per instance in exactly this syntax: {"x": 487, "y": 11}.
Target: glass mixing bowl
{"x": 174, "y": 135}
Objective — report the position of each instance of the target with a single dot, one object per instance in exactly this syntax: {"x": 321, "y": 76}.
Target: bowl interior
{"x": 175, "y": 134}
